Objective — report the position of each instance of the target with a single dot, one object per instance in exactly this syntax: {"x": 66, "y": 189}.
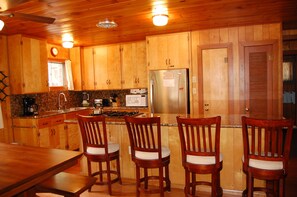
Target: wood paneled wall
{"x": 6, "y": 132}
{"x": 235, "y": 36}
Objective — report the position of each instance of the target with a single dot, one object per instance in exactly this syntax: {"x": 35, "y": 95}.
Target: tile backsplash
{"x": 49, "y": 101}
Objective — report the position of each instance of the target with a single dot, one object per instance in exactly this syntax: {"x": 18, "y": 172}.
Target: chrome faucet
{"x": 59, "y": 100}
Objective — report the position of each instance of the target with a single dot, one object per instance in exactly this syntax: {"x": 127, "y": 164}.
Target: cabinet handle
{"x": 107, "y": 82}
{"x": 166, "y": 61}
{"x": 169, "y": 61}
{"x": 138, "y": 80}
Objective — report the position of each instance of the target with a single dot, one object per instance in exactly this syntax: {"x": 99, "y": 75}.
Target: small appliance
{"x": 136, "y": 100}
{"x": 86, "y": 98}
{"x": 30, "y": 106}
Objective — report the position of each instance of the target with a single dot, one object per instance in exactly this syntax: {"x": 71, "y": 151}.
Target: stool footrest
{"x": 66, "y": 184}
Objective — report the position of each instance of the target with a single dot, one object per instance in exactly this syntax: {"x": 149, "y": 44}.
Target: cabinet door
{"x": 134, "y": 71}
{"x": 35, "y": 68}
{"x": 139, "y": 50}
{"x": 168, "y": 51}
{"x": 178, "y": 50}
{"x": 88, "y": 69}
{"x": 156, "y": 52}
{"x": 114, "y": 67}
{"x": 100, "y": 67}
{"x": 26, "y": 136}
{"x": 73, "y": 137}
{"x": 74, "y": 54}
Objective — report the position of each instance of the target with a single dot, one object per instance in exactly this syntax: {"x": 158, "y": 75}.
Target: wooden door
{"x": 88, "y": 69}
{"x": 258, "y": 80}
{"x": 214, "y": 69}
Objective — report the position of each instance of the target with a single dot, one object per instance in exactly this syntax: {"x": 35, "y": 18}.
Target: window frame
{"x": 59, "y": 88}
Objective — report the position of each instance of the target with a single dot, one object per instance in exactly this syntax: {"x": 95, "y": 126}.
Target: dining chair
{"x": 147, "y": 153}
{"x": 266, "y": 147}
{"x": 200, "y": 147}
{"x": 97, "y": 148}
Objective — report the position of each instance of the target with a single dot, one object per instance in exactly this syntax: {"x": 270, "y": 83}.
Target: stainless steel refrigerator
{"x": 169, "y": 91}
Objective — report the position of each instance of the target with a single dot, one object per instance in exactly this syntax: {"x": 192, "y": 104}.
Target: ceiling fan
{"x": 9, "y": 4}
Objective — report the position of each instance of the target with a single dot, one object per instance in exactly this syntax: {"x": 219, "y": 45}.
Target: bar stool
{"x": 200, "y": 147}
{"x": 266, "y": 148}
{"x": 147, "y": 152}
{"x": 97, "y": 149}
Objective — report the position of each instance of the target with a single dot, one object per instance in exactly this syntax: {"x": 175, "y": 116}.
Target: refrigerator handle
{"x": 152, "y": 95}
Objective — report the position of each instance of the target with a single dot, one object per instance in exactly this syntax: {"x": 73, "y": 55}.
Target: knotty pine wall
{"x": 5, "y": 133}
{"x": 232, "y": 175}
{"x": 235, "y": 36}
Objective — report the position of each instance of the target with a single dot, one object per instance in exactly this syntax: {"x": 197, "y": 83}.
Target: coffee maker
{"x": 30, "y": 107}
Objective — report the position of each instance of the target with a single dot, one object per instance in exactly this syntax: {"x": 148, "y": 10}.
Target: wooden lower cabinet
{"x": 43, "y": 132}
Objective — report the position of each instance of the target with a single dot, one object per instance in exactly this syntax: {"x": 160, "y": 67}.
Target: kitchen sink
{"x": 58, "y": 111}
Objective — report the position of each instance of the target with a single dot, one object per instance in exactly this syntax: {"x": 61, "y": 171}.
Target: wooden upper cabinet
{"x": 107, "y": 67}
{"x": 134, "y": 71}
{"x": 168, "y": 51}
{"x": 27, "y": 65}
{"x": 101, "y": 68}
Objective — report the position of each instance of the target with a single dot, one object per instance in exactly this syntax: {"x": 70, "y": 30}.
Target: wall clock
{"x": 54, "y": 51}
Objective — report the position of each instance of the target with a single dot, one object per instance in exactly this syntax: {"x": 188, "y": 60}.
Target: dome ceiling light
{"x": 160, "y": 15}
{"x": 107, "y": 24}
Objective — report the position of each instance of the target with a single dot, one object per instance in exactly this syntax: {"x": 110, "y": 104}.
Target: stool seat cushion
{"x": 152, "y": 155}
{"x": 112, "y": 147}
{"x": 203, "y": 160}
{"x": 265, "y": 165}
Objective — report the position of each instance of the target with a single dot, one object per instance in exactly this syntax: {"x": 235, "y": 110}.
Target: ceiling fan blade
{"x": 8, "y": 4}
{"x": 35, "y": 18}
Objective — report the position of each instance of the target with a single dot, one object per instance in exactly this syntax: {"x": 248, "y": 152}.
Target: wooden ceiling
{"x": 134, "y": 17}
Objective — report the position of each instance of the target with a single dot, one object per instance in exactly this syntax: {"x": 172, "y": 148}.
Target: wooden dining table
{"x": 23, "y": 167}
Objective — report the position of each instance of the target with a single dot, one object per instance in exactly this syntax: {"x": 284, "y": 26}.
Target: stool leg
{"x": 137, "y": 181}
{"x": 168, "y": 184}
{"x": 161, "y": 182}
{"x": 250, "y": 185}
{"x": 108, "y": 177}
{"x": 100, "y": 170}
{"x": 145, "y": 178}
{"x": 193, "y": 183}
{"x": 119, "y": 170}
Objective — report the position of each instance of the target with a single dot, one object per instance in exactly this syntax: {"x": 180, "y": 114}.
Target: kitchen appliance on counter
{"x": 86, "y": 98}
{"x": 136, "y": 100}
{"x": 169, "y": 91}
{"x": 30, "y": 106}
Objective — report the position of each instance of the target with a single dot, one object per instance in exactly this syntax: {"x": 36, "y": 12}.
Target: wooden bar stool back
{"x": 266, "y": 146}
{"x": 97, "y": 149}
{"x": 147, "y": 152}
{"x": 200, "y": 146}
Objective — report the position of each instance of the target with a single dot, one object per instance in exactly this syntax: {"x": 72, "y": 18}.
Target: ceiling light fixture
{"x": 67, "y": 44}
{"x": 1, "y": 25}
{"x": 160, "y": 19}
{"x": 107, "y": 24}
{"x": 67, "y": 40}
